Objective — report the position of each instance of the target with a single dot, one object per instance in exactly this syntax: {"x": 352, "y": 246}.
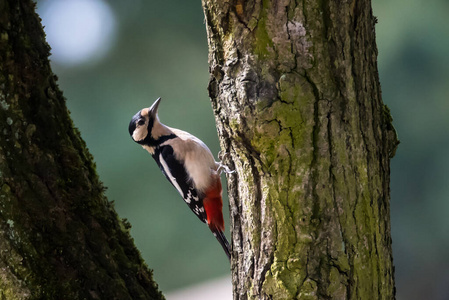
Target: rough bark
{"x": 59, "y": 236}
{"x": 295, "y": 90}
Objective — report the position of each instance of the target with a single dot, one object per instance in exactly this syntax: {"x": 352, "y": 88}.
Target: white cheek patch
{"x": 140, "y": 133}
{"x": 169, "y": 175}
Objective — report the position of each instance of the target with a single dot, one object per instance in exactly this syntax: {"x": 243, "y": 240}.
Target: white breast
{"x": 198, "y": 159}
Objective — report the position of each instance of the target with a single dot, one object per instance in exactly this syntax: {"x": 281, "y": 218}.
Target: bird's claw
{"x": 222, "y": 167}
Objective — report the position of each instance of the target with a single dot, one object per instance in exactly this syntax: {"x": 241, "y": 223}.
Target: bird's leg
{"x": 221, "y": 166}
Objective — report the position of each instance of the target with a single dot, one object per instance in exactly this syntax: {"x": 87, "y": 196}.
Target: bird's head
{"x": 142, "y": 123}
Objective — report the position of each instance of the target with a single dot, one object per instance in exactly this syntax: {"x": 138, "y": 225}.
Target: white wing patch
{"x": 169, "y": 175}
{"x": 189, "y": 197}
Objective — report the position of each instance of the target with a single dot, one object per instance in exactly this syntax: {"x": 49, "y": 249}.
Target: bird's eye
{"x": 140, "y": 122}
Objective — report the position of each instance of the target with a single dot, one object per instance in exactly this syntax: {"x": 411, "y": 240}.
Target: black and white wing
{"x": 178, "y": 177}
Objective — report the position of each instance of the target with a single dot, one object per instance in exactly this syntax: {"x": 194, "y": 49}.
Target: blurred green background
{"x": 114, "y": 58}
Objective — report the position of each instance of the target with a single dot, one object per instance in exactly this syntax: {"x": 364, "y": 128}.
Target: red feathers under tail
{"x": 213, "y": 205}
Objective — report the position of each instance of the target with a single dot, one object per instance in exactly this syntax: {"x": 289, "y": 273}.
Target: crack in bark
{"x": 330, "y": 185}
{"x": 332, "y": 181}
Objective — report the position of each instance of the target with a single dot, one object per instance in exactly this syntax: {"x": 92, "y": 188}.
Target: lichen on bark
{"x": 295, "y": 91}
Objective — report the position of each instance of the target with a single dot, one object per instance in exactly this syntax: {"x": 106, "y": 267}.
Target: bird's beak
{"x": 152, "y": 111}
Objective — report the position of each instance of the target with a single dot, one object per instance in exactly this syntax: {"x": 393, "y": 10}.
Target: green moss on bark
{"x": 59, "y": 235}
{"x": 299, "y": 109}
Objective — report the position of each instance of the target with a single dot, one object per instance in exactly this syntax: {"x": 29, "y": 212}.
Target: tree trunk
{"x": 60, "y": 238}
{"x": 296, "y": 95}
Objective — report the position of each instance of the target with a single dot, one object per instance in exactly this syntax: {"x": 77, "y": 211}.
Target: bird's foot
{"x": 221, "y": 166}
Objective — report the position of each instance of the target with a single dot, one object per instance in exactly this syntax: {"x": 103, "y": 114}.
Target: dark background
{"x": 114, "y": 58}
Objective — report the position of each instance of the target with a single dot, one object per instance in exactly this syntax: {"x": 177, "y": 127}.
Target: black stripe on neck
{"x": 157, "y": 142}
{"x": 164, "y": 138}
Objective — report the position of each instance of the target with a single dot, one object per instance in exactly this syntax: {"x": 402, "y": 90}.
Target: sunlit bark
{"x": 295, "y": 90}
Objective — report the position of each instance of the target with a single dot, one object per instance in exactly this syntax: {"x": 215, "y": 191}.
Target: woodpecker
{"x": 188, "y": 164}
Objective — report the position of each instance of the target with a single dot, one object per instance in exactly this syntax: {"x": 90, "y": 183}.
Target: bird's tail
{"x": 218, "y": 233}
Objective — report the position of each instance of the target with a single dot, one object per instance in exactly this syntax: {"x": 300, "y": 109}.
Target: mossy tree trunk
{"x": 59, "y": 236}
{"x": 296, "y": 95}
